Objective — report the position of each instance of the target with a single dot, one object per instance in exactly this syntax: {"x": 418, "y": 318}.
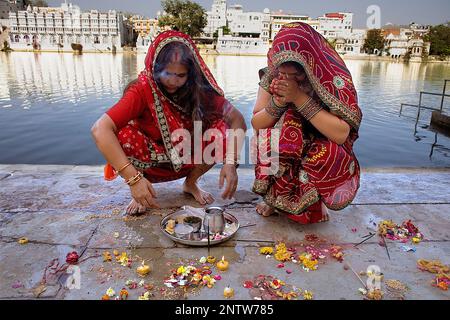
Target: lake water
{"x": 49, "y": 101}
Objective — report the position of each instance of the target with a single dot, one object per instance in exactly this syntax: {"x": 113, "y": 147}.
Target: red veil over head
{"x": 164, "y": 109}
{"x": 312, "y": 167}
{"x": 326, "y": 71}
{"x": 167, "y": 115}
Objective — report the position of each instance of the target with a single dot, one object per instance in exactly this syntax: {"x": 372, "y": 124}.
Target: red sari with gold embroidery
{"x": 312, "y": 169}
{"x": 146, "y": 118}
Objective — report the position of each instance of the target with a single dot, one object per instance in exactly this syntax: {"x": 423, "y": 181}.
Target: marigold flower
{"x": 266, "y": 250}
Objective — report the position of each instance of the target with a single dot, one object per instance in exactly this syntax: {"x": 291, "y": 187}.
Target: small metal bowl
{"x": 194, "y": 222}
{"x": 183, "y": 231}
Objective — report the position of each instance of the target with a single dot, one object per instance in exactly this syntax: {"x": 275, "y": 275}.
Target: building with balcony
{"x": 337, "y": 25}
{"x": 217, "y": 18}
{"x": 145, "y": 30}
{"x": 66, "y": 28}
{"x": 400, "y": 42}
{"x": 280, "y": 18}
{"x": 248, "y": 24}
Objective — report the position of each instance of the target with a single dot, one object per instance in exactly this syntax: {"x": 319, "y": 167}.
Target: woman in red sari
{"x": 308, "y": 101}
{"x": 139, "y": 136}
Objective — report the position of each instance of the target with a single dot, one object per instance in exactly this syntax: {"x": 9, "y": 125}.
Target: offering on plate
{"x": 170, "y": 227}
{"x": 190, "y": 226}
{"x": 183, "y": 231}
{"x": 194, "y": 222}
{"x": 214, "y": 220}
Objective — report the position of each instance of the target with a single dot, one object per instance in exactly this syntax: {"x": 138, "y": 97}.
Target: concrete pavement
{"x": 71, "y": 208}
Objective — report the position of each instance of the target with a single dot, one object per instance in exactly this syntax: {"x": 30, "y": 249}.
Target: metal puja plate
{"x": 198, "y": 239}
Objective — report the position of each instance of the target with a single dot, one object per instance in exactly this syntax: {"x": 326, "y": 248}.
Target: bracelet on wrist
{"x": 231, "y": 160}
{"x": 309, "y": 108}
{"x": 124, "y": 167}
{"x": 134, "y": 179}
{"x": 274, "y": 110}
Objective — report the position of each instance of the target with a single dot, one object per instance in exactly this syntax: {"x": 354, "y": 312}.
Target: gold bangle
{"x": 124, "y": 167}
{"x": 133, "y": 180}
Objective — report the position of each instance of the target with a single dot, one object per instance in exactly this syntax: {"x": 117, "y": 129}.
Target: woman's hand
{"x": 228, "y": 173}
{"x": 288, "y": 91}
{"x": 279, "y": 100}
{"x": 144, "y": 193}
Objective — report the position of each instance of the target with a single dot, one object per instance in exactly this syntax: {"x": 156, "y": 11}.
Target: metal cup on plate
{"x": 215, "y": 219}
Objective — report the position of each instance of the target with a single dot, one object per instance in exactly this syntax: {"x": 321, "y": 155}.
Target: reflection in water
{"x": 49, "y": 101}
{"x": 60, "y": 77}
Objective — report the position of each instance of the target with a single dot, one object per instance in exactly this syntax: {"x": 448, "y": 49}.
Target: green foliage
{"x": 374, "y": 40}
{"x": 183, "y": 15}
{"x": 439, "y": 37}
{"x": 6, "y": 47}
{"x": 332, "y": 43}
{"x": 36, "y": 3}
{"x": 407, "y": 56}
{"x": 226, "y": 31}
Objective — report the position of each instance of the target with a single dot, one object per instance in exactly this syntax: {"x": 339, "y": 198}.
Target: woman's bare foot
{"x": 200, "y": 195}
{"x": 264, "y": 209}
{"x": 135, "y": 208}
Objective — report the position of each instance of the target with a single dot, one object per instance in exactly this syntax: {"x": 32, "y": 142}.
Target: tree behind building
{"x": 36, "y": 3}
{"x": 439, "y": 37}
{"x": 374, "y": 41}
{"x": 184, "y": 16}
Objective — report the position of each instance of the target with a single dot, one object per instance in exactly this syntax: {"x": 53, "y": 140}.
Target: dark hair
{"x": 196, "y": 93}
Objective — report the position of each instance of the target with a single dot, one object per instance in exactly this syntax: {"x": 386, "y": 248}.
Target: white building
{"x": 397, "y": 42}
{"x": 353, "y": 44}
{"x": 401, "y": 41}
{"x": 248, "y": 24}
{"x": 240, "y": 23}
{"x": 241, "y": 46}
{"x": 280, "y": 18}
{"x": 419, "y": 31}
{"x": 9, "y": 5}
{"x": 66, "y": 28}
{"x": 336, "y": 25}
{"x": 217, "y": 17}
{"x": 314, "y": 23}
